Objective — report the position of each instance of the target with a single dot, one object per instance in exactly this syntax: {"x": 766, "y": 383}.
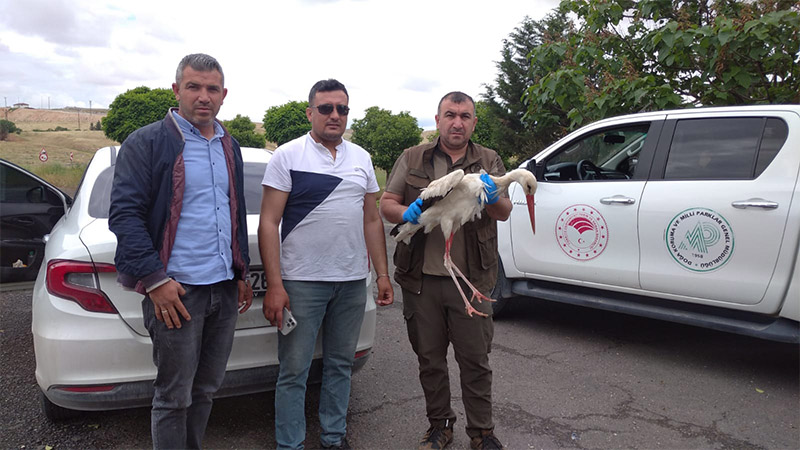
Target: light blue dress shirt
{"x": 202, "y": 252}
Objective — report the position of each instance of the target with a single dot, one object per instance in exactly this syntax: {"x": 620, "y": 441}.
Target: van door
{"x": 586, "y": 207}
{"x": 714, "y": 215}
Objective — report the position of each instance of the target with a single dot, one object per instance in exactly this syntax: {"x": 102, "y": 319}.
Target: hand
{"x": 385, "y": 292}
{"x": 413, "y": 211}
{"x": 274, "y": 301}
{"x": 245, "y": 296}
{"x": 168, "y": 305}
{"x": 492, "y": 196}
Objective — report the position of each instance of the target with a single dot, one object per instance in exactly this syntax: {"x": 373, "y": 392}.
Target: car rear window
{"x": 724, "y": 148}
{"x": 100, "y": 199}
{"x": 253, "y": 174}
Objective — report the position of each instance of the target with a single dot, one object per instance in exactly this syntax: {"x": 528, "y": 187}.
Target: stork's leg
{"x": 476, "y": 294}
{"x": 448, "y": 264}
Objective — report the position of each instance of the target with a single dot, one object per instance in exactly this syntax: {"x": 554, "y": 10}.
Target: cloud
{"x": 417, "y": 84}
{"x": 56, "y": 21}
{"x": 402, "y": 58}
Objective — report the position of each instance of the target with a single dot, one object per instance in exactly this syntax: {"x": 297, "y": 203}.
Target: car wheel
{"x": 54, "y": 412}
{"x": 501, "y": 292}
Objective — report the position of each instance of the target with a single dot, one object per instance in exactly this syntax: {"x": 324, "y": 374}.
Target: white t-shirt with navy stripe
{"x": 322, "y": 231}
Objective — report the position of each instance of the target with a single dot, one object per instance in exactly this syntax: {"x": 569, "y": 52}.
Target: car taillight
{"x": 77, "y": 281}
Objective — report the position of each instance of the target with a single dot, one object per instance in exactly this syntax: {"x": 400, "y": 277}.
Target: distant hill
{"x": 55, "y": 116}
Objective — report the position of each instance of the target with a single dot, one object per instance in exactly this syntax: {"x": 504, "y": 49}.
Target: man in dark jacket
{"x": 433, "y": 308}
{"x": 177, "y": 209}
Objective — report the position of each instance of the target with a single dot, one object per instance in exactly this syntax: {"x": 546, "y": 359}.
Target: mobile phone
{"x": 288, "y": 322}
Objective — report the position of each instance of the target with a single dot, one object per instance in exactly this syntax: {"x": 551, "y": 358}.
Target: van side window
{"x": 725, "y": 148}
{"x": 608, "y": 154}
{"x": 775, "y": 133}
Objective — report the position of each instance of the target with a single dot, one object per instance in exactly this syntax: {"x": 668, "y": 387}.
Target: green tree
{"x": 488, "y": 130}
{"x": 385, "y": 135}
{"x": 136, "y": 108}
{"x": 591, "y": 59}
{"x": 244, "y": 130}
{"x": 514, "y": 136}
{"x": 286, "y": 122}
{"x": 629, "y": 56}
{"x": 7, "y": 127}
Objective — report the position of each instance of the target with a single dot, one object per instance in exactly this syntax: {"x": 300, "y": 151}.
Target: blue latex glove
{"x": 413, "y": 212}
{"x": 492, "y": 196}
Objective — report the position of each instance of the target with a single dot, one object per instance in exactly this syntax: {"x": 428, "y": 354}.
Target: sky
{"x": 397, "y": 55}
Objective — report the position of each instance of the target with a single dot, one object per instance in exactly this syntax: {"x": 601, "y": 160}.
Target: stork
{"x": 452, "y": 201}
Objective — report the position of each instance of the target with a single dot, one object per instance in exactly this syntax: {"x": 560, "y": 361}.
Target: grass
{"x": 63, "y": 177}
{"x": 380, "y": 174}
{"x": 23, "y": 149}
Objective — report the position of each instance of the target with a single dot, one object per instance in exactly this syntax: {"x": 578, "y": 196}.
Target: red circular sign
{"x": 582, "y": 232}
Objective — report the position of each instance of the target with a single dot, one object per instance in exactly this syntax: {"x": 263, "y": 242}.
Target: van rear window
{"x": 724, "y": 148}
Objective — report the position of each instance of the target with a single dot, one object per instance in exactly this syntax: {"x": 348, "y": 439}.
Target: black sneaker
{"x": 487, "y": 441}
{"x": 342, "y": 445}
{"x": 436, "y": 438}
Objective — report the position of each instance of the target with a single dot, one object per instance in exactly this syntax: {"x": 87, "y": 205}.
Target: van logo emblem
{"x": 581, "y": 232}
{"x": 699, "y": 239}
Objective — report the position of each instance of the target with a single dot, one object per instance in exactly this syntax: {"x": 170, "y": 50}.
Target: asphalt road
{"x": 564, "y": 377}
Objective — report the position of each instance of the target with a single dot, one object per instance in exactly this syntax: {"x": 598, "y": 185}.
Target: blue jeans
{"x": 337, "y": 307}
{"x": 191, "y": 362}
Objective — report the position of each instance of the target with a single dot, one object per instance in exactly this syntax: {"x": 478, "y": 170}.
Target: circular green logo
{"x": 699, "y": 239}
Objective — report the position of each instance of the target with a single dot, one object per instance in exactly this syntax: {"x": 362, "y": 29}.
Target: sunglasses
{"x": 327, "y": 108}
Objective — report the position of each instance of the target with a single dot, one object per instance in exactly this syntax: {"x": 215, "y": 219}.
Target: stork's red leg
{"x": 448, "y": 264}
{"x": 476, "y": 294}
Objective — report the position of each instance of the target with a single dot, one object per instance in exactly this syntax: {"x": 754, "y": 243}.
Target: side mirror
{"x": 537, "y": 170}
{"x": 35, "y": 195}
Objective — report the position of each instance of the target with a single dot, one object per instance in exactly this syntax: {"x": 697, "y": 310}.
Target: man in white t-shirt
{"x": 319, "y": 222}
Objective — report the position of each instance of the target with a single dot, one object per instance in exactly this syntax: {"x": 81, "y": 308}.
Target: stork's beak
{"x": 531, "y": 211}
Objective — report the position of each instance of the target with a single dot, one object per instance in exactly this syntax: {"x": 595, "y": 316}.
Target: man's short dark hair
{"x": 199, "y": 62}
{"x": 328, "y": 85}
{"x": 456, "y": 97}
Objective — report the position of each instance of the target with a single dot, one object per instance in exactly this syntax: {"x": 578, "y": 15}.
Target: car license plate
{"x": 258, "y": 280}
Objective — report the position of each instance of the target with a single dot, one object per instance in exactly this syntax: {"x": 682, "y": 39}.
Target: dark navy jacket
{"x": 146, "y": 201}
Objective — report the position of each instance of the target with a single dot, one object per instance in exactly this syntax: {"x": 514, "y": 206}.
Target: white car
{"x": 92, "y": 349}
{"x": 690, "y": 216}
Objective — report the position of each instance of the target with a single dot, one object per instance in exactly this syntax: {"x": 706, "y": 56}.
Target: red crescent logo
{"x": 581, "y": 232}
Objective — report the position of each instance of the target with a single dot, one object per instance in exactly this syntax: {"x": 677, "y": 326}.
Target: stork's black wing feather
{"x": 430, "y": 201}
{"x": 426, "y": 203}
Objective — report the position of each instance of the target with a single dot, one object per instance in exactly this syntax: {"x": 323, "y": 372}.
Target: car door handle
{"x": 755, "y": 203}
{"x": 617, "y": 200}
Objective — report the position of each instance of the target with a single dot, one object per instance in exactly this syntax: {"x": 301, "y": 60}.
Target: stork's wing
{"x": 442, "y": 186}
{"x": 436, "y": 190}
{"x": 439, "y": 188}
